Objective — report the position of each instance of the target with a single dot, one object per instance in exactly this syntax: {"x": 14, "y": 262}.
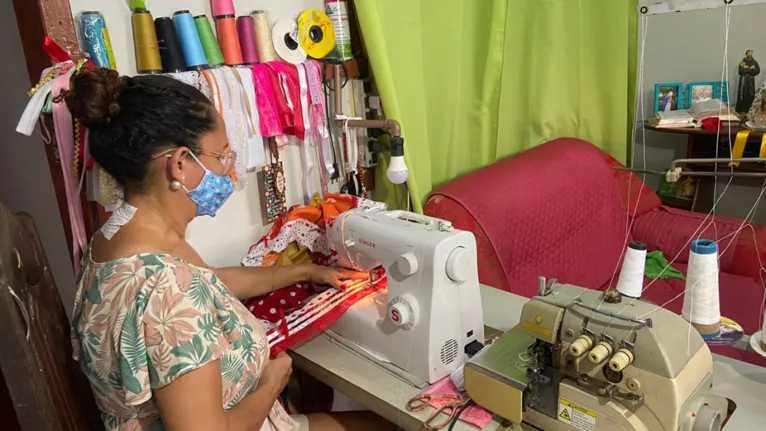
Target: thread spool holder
{"x": 675, "y": 169}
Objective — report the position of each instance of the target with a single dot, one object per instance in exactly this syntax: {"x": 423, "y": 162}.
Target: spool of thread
{"x": 145, "y": 40}
{"x": 222, "y": 7}
{"x": 631, "y": 281}
{"x": 96, "y": 40}
{"x": 170, "y": 46}
{"x": 285, "y": 36}
{"x": 194, "y": 54}
{"x": 263, "y": 42}
{"x": 246, "y": 31}
{"x": 228, "y": 39}
{"x": 701, "y": 304}
{"x": 209, "y": 42}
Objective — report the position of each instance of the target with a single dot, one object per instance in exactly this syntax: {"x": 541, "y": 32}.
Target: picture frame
{"x": 669, "y": 96}
{"x": 706, "y": 90}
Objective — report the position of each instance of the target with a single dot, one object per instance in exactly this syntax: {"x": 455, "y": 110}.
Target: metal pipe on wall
{"x": 391, "y": 126}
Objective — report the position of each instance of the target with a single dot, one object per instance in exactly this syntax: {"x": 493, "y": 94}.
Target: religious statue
{"x": 748, "y": 70}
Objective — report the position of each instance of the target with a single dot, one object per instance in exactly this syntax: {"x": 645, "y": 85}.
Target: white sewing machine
{"x": 431, "y": 314}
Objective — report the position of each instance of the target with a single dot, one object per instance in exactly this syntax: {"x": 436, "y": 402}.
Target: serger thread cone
{"x": 145, "y": 41}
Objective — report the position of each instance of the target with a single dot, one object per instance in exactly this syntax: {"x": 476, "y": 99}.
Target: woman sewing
{"x": 162, "y": 337}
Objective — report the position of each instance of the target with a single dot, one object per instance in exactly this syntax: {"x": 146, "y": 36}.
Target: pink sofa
{"x": 560, "y": 211}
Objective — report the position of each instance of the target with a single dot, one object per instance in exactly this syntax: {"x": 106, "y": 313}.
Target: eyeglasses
{"x": 226, "y": 161}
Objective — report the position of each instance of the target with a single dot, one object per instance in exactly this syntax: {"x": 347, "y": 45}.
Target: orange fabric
{"x": 318, "y": 210}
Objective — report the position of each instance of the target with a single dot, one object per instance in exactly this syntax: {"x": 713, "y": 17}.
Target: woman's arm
{"x": 248, "y": 282}
{"x": 193, "y": 403}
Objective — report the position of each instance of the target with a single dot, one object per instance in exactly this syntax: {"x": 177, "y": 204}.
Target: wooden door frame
{"x": 36, "y": 20}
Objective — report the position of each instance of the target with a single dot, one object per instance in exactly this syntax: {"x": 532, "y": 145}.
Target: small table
{"x": 386, "y": 395}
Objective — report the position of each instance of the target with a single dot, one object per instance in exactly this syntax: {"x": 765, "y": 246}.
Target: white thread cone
{"x": 631, "y": 281}
{"x": 701, "y": 303}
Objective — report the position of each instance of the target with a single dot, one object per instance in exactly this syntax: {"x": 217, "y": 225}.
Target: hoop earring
{"x": 175, "y": 185}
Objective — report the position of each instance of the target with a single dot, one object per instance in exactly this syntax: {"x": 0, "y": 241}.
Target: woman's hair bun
{"x": 94, "y": 96}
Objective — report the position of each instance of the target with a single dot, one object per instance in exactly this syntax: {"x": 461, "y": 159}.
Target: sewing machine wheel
{"x": 611, "y": 375}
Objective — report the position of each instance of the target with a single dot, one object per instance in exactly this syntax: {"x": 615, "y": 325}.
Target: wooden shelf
{"x": 356, "y": 68}
{"x": 725, "y": 131}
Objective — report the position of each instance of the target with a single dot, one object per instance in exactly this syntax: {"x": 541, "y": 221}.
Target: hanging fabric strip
{"x": 233, "y": 115}
{"x": 255, "y": 149}
{"x": 245, "y": 99}
{"x": 266, "y": 102}
{"x": 289, "y": 82}
{"x": 281, "y": 95}
{"x": 215, "y": 90}
{"x": 739, "y": 146}
{"x": 319, "y": 121}
{"x": 307, "y": 161}
{"x": 763, "y": 147}
{"x": 62, "y": 120}
{"x": 32, "y": 112}
{"x": 351, "y": 145}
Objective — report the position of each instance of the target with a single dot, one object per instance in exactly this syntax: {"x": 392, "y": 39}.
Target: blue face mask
{"x": 211, "y": 193}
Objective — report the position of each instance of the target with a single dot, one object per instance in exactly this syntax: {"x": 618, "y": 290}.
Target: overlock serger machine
{"x": 579, "y": 360}
{"x": 430, "y": 316}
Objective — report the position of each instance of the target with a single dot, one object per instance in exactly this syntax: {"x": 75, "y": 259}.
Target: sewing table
{"x": 385, "y": 394}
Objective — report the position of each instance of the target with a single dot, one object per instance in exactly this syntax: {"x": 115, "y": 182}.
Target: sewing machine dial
{"x": 459, "y": 265}
{"x": 403, "y": 311}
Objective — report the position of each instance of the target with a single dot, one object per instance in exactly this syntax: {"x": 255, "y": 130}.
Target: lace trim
{"x": 304, "y": 232}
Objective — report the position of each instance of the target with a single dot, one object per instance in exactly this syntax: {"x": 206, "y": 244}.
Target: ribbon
{"x": 62, "y": 120}
{"x": 318, "y": 122}
{"x": 306, "y": 160}
{"x": 255, "y": 149}
{"x": 739, "y": 146}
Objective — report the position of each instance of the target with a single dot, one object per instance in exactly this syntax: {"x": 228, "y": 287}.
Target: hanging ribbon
{"x": 739, "y": 146}
{"x": 307, "y": 161}
{"x": 62, "y": 120}
{"x": 318, "y": 123}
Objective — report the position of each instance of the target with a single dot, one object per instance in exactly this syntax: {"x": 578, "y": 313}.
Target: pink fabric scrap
{"x": 475, "y": 416}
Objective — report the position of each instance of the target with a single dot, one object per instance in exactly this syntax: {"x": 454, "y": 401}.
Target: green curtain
{"x": 475, "y": 81}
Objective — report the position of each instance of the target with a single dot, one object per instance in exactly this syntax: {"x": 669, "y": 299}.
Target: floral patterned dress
{"x": 141, "y": 322}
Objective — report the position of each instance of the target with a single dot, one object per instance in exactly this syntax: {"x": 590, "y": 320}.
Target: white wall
{"x": 687, "y": 47}
{"x": 222, "y": 240}
{"x": 24, "y": 173}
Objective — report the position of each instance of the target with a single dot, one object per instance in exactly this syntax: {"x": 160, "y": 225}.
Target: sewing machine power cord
{"x": 469, "y": 403}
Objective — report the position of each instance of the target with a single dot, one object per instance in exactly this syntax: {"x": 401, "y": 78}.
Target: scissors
{"x": 454, "y": 403}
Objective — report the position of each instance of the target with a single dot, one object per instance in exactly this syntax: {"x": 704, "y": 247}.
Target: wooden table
{"x": 386, "y": 395}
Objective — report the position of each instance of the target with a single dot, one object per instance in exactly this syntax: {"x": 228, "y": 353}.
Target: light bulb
{"x": 397, "y": 171}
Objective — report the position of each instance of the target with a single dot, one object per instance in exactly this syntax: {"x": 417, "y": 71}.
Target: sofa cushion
{"x": 490, "y": 270}
{"x": 538, "y": 223}
{"x": 672, "y": 230}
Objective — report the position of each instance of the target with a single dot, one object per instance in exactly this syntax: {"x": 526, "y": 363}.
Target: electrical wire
{"x": 468, "y": 403}
{"x": 327, "y": 88}
{"x": 407, "y": 190}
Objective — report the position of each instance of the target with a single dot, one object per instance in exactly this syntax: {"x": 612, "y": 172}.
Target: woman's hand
{"x": 335, "y": 277}
{"x": 277, "y": 373}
